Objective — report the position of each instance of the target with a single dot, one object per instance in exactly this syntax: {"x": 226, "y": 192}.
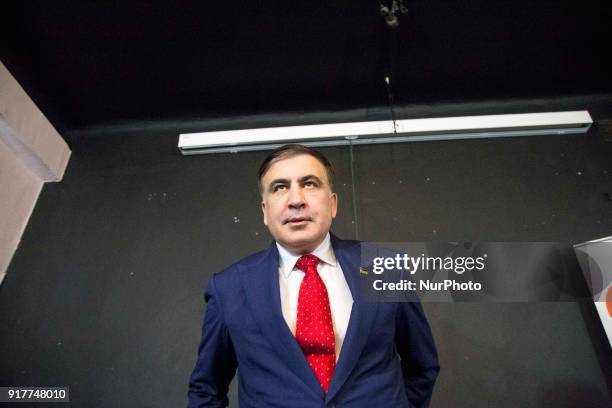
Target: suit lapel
{"x": 263, "y": 294}
{"x": 362, "y": 315}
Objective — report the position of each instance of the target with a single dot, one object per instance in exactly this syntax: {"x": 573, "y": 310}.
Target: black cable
{"x": 392, "y": 44}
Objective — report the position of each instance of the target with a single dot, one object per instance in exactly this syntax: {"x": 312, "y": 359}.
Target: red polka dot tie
{"x": 314, "y": 330}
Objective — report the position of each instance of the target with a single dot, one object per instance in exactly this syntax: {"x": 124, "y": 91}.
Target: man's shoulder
{"x": 253, "y": 260}
{"x": 250, "y": 261}
{"x": 345, "y": 244}
{"x": 228, "y": 279}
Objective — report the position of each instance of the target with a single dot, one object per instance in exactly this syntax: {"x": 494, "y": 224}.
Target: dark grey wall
{"x": 105, "y": 291}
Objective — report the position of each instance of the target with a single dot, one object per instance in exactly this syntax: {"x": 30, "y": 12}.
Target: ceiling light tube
{"x": 386, "y": 131}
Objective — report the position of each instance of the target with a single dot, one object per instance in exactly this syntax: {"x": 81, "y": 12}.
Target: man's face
{"x": 297, "y": 202}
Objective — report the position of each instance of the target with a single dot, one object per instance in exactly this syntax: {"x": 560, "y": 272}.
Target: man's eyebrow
{"x": 278, "y": 181}
{"x": 310, "y": 177}
{"x": 300, "y": 180}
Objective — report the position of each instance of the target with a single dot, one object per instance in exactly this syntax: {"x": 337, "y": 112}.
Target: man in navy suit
{"x": 292, "y": 320}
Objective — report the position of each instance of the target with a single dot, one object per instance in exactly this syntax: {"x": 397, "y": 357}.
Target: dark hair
{"x": 290, "y": 150}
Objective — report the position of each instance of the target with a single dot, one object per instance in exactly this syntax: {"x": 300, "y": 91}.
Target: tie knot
{"x": 306, "y": 262}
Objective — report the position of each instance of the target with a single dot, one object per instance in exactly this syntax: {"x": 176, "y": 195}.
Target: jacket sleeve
{"x": 419, "y": 358}
{"x": 216, "y": 363}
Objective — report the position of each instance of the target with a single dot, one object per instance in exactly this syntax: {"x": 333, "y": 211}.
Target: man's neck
{"x": 306, "y": 249}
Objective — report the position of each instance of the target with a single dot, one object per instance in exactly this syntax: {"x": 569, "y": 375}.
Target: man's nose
{"x": 296, "y": 198}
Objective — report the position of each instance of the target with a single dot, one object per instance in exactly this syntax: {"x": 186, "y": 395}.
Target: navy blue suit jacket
{"x": 388, "y": 358}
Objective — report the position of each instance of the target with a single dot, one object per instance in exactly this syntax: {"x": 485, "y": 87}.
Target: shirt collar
{"x": 288, "y": 259}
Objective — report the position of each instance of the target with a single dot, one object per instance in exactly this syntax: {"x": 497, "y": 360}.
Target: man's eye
{"x": 279, "y": 187}
{"x": 310, "y": 184}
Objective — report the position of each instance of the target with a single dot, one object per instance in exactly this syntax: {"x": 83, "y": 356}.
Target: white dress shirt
{"x": 340, "y": 298}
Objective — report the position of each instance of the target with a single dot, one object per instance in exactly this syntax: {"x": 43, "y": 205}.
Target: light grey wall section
{"x": 20, "y": 189}
{"x": 31, "y": 152}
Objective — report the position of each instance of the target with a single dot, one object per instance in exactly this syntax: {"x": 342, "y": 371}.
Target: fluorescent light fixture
{"x": 387, "y": 131}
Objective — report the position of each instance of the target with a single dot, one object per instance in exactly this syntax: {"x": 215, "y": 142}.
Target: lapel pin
{"x": 363, "y": 270}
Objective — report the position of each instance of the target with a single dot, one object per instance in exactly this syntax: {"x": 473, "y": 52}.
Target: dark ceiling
{"x": 97, "y": 63}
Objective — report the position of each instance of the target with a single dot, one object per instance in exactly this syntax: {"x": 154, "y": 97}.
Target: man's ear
{"x": 263, "y": 210}
{"x": 334, "y": 199}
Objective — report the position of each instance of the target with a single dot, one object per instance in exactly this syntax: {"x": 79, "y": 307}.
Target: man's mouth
{"x": 297, "y": 220}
